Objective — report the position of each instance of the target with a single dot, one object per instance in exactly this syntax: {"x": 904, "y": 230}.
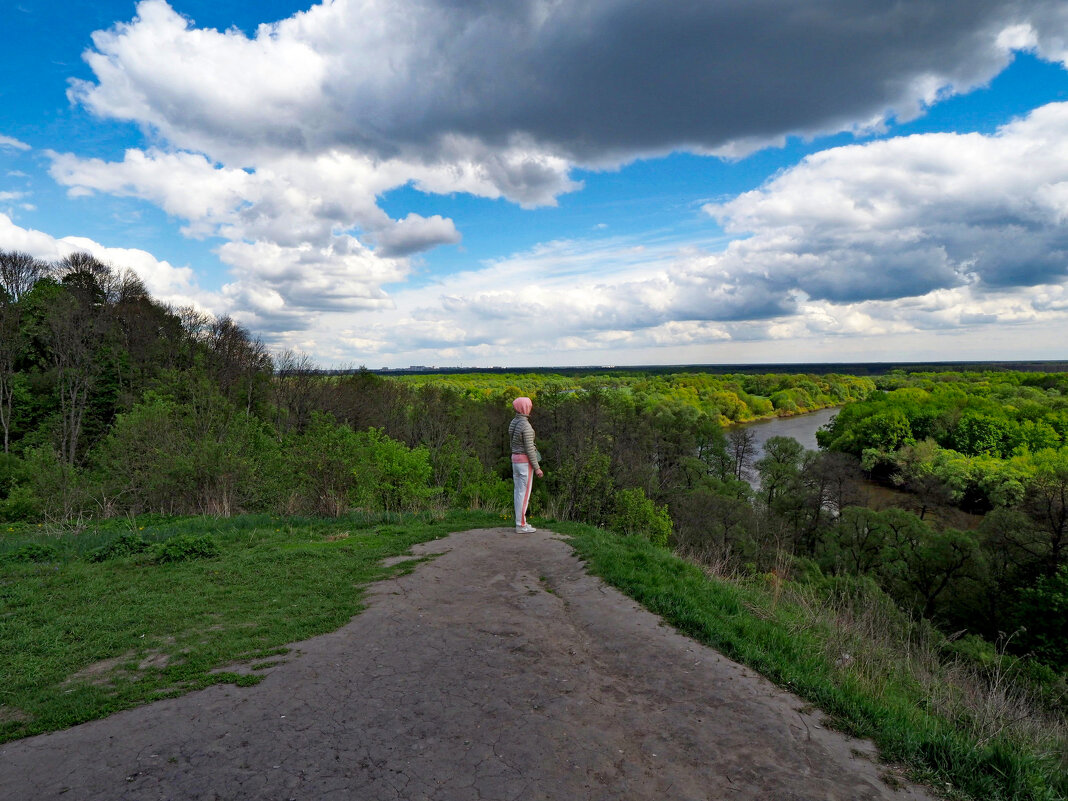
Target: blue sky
{"x": 545, "y": 182}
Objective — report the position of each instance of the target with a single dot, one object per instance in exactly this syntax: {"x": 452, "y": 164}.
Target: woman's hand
{"x": 540, "y": 473}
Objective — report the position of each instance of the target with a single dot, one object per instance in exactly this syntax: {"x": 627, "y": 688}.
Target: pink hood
{"x": 523, "y": 405}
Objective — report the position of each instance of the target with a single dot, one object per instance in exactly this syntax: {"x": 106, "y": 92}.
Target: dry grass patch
{"x": 106, "y": 671}
{"x": 12, "y": 714}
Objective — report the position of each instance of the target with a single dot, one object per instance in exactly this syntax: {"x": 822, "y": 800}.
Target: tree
{"x": 779, "y": 467}
{"x": 633, "y": 513}
{"x": 76, "y": 321}
{"x": 916, "y": 474}
{"x": 390, "y": 475}
{"x": 1046, "y": 504}
{"x": 147, "y": 336}
{"x": 18, "y": 274}
{"x": 741, "y": 446}
{"x": 857, "y": 543}
{"x": 1043, "y": 614}
{"x": 295, "y": 385}
{"x": 978, "y": 433}
{"x": 582, "y": 486}
{"x": 241, "y": 364}
{"x": 929, "y": 562}
{"x": 714, "y": 527}
{"x": 839, "y": 475}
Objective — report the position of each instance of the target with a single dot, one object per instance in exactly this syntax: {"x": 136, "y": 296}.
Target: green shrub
{"x": 390, "y": 476}
{"x": 1043, "y": 614}
{"x": 334, "y": 469}
{"x": 322, "y": 462}
{"x": 581, "y": 488}
{"x": 127, "y": 544}
{"x": 12, "y": 472}
{"x": 464, "y": 482}
{"x": 56, "y": 489}
{"x": 34, "y": 552}
{"x": 20, "y": 504}
{"x": 183, "y": 547}
{"x": 180, "y": 458}
{"x": 1049, "y": 687}
{"x": 636, "y": 514}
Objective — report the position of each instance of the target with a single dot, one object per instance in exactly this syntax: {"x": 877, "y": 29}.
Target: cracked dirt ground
{"x": 497, "y": 670}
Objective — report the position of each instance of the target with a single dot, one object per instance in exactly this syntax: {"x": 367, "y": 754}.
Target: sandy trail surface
{"x": 497, "y": 670}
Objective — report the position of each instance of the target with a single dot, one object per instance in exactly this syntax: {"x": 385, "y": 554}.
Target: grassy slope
{"x": 744, "y": 623}
{"x": 276, "y": 581}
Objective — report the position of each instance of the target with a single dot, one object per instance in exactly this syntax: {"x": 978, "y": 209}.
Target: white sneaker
{"x": 527, "y": 529}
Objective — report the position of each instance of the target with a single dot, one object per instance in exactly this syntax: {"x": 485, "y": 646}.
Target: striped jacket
{"x": 521, "y": 433}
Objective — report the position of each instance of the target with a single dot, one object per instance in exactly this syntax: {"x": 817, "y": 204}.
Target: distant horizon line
{"x": 864, "y": 368}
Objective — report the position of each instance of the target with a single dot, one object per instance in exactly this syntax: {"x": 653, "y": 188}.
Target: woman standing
{"x": 525, "y": 461}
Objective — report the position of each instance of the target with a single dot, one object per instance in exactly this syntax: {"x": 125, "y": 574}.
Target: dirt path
{"x": 498, "y": 670}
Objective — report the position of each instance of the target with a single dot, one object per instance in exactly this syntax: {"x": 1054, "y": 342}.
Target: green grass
{"x": 740, "y": 621}
{"x": 80, "y": 639}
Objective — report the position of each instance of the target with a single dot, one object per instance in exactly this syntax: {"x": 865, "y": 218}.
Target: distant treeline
{"x": 727, "y": 398}
{"x": 790, "y": 368}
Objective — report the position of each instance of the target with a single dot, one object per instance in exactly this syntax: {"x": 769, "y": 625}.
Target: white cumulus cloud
{"x": 166, "y": 282}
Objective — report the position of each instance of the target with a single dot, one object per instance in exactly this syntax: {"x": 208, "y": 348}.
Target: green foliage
{"x": 980, "y": 434}
{"x": 54, "y": 488}
{"x": 977, "y": 433}
{"x": 126, "y": 544}
{"x": 177, "y": 548}
{"x": 464, "y": 482}
{"x": 858, "y": 543}
{"x": 184, "y": 547}
{"x": 20, "y": 504}
{"x": 34, "y": 552}
{"x": 792, "y": 400}
{"x": 390, "y": 475}
{"x": 201, "y": 456}
{"x": 725, "y": 398}
{"x": 334, "y": 469}
{"x": 779, "y": 468}
{"x": 634, "y": 513}
{"x": 582, "y": 487}
{"x": 322, "y": 462}
{"x": 717, "y": 524}
{"x": 1042, "y": 612}
{"x": 927, "y": 563}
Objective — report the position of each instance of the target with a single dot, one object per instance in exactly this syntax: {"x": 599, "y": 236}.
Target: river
{"x": 801, "y": 427}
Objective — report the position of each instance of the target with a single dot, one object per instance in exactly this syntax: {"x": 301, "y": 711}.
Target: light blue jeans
{"x": 523, "y": 476}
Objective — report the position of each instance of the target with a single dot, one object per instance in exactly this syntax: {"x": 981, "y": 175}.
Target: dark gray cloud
{"x": 590, "y": 81}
